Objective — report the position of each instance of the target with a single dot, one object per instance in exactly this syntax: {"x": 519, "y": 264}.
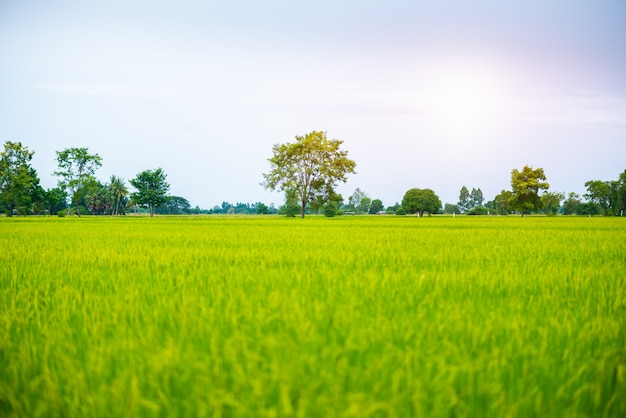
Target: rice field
{"x": 377, "y": 316}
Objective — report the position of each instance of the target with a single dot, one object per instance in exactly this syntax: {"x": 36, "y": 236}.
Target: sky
{"x": 427, "y": 94}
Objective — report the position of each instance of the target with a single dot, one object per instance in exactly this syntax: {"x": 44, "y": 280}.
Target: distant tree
{"x": 501, "y": 202}
{"x": 98, "y": 198}
{"x": 291, "y": 206}
{"x": 571, "y": 206}
{"x": 376, "y": 206}
{"x": 308, "y": 168}
{"x": 526, "y": 185}
{"x": 465, "y": 200}
{"x": 359, "y": 201}
{"x": 19, "y": 182}
{"x": 119, "y": 190}
{"x": 393, "y": 208}
{"x": 330, "y": 209}
{"x": 421, "y": 201}
{"x": 551, "y": 202}
{"x": 152, "y": 188}
{"x": 621, "y": 193}
{"x": 449, "y": 208}
{"x": 76, "y": 168}
{"x": 262, "y": 209}
{"x": 476, "y": 197}
{"x": 55, "y": 200}
{"x": 598, "y": 192}
{"x": 175, "y": 205}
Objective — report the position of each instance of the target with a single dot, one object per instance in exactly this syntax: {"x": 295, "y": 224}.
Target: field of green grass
{"x": 323, "y": 317}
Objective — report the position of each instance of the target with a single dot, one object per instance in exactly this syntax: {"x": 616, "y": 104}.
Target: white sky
{"x": 424, "y": 94}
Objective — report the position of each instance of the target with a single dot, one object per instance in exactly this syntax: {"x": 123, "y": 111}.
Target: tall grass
{"x": 350, "y": 317}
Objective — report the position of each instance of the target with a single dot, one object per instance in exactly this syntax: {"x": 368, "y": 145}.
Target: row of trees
{"x": 307, "y": 171}
{"x": 21, "y": 192}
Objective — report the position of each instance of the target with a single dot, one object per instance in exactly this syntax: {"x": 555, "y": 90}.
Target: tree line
{"x": 307, "y": 171}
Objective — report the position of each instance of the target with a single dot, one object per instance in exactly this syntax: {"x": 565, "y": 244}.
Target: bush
{"x": 61, "y": 214}
{"x": 400, "y": 211}
{"x": 330, "y": 209}
{"x": 479, "y": 210}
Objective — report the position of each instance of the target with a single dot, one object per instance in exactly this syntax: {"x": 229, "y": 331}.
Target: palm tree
{"x": 119, "y": 190}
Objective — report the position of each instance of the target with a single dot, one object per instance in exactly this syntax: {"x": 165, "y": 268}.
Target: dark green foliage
{"x": 449, "y": 208}
{"x": 330, "y": 209}
{"x": 151, "y": 189}
{"x": 19, "y": 184}
{"x": 421, "y": 201}
{"x": 479, "y": 210}
{"x": 376, "y": 206}
{"x": 76, "y": 170}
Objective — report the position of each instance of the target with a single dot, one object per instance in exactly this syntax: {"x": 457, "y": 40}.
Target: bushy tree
{"x": 55, "y": 200}
{"x": 76, "y": 169}
{"x": 450, "y": 208}
{"x": 152, "y": 188}
{"x": 571, "y": 206}
{"x": 175, "y": 205}
{"x": 598, "y": 193}
{"x": 98, "y": 198}
{"x": 421, "y": 201}
{"x": 501, "y": 202}
{"x": 309, "y": 168}
{"x": 551, "y": 202}
{"x": 19, "y": 183}
{"x": 376, "y": 206}
{"x": 526, "y": 185}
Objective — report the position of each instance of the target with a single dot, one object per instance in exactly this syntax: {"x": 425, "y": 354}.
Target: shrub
{"x": 479, "y": 210}
{"x": 330, "y": 209}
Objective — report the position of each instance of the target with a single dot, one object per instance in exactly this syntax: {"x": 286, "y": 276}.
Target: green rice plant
{"x": 347, "y": 316}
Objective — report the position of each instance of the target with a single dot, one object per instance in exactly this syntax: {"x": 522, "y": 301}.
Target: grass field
{"x": 321, "y": 317}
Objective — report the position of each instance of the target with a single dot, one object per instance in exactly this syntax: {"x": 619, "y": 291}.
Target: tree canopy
{"x": 19, "y": 182}
{"x": 526, "y": 185}
{"x": 151, "y": 189}
{"x": 76, "y": 168}
{"x": 309, "y": 168}
{"x": 421, "y": 201}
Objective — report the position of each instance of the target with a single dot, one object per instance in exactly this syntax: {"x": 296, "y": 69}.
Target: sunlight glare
{"x": 465, "y": 97}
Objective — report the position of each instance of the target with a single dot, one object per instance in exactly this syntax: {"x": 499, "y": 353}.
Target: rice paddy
{"x": 373, "y": 316}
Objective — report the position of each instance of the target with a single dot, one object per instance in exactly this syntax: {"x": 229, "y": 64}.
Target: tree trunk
{"x": 303, "y": 206}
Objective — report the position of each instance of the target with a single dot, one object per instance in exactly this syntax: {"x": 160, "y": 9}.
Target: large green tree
{"x": 152, "y": 188}
{"x": 526, "y": 185}
{"x": 76, "y": 169}
{"x": 421, "y": 201}
{"x": 308, "y": 168}
{"x": 376, "y": 207}
{"x": 19, "y": 182}
{"x": 598, "y": 192}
